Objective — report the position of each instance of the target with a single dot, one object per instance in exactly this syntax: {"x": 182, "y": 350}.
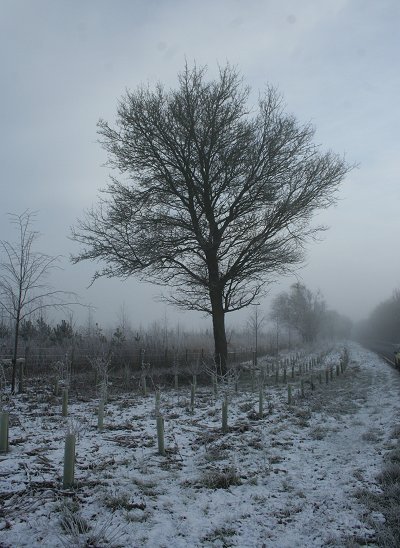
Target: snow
{"x": 290, "y": 477}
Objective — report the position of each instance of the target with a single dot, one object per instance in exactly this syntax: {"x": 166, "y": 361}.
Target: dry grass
{"x": 220, "y": 478}
{"x": 386, "y": 503}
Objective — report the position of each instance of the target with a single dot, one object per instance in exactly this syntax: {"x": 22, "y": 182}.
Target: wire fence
{"x": 42, "y": 360}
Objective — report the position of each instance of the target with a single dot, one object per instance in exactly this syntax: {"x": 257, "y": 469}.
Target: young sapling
{"x": 192, "y": 397}
{"x": 289, "y": 394}
{"x": 65, "y": 402}
{"x": 225, "y": 415}
{"x": 100, "y": 415}
{"x": 261, "y": 402}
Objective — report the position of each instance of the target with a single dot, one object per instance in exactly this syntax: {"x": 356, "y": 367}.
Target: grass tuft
{"x": 220, "y": 478}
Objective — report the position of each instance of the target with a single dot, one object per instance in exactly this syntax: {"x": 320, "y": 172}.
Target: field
{"x": 303, "y": 474}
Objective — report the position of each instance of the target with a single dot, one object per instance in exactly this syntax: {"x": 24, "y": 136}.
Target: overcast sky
{"x": 65, "y": 64}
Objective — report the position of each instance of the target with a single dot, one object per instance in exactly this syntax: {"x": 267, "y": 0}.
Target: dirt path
{"x": 341, "y": 452}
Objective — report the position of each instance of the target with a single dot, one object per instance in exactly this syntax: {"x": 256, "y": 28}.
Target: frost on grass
{"x": 80, "y": 532}
{"x": 217, "y": 478}
{"x": 384, "y": 503}
{"x": 324, "y": 470}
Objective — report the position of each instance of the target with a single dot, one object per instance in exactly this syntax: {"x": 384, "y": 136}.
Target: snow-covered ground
{"x": 286, "y": 480}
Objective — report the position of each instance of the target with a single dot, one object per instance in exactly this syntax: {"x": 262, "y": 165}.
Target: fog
{"x": 66, "y": 64}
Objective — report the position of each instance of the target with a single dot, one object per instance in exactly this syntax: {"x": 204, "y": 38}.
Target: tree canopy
{"x": 214, "y": 198}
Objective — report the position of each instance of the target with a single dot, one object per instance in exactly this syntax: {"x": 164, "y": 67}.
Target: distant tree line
{"x": 159, "y": 345}
{"x": 296, "y": 316}
{"x": 383, "y": 324}
{"x": 40, "y": 331}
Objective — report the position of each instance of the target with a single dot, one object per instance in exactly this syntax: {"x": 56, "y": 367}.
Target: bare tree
{"x": 23, "y": 273}
{"x": 255, "y": 323}
{"x": 301, "y": 310}
{"x": 218, "y": 197}
{"x": 280, "y": 315}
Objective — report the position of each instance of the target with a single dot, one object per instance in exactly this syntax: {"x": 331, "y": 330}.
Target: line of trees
{"x": 40, "y": 331}
{"x": 160, "y": 345}
{"x": 383, "y": 324}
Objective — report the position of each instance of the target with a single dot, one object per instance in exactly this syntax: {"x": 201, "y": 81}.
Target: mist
{"x": 67, "y": 65}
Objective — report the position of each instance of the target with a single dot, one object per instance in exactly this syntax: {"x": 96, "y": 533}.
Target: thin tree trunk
{"x": 15, "y": 353}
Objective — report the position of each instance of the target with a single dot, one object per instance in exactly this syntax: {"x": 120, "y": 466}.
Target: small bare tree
{"x": 102, "y": 365}
{"x": 279, "y": 315}
{"x": 255, "y": 323}
{"x": 23, "y": 273}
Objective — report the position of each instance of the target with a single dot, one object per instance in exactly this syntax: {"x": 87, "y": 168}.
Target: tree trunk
{"x": 220, "y": 344}
{"x": 15, "y": 353}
